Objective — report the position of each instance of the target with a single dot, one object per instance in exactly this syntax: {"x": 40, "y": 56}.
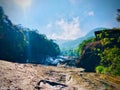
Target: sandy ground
{"x": 14, "y": 76}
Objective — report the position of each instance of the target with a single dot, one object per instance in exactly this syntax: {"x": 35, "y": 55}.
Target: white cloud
{"x": 70, "y": 30}
{"x": 91, "y": 13}
{"x": 23, "y": 3}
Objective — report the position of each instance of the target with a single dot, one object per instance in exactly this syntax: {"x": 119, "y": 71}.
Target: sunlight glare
{"x": 23, "y": 3}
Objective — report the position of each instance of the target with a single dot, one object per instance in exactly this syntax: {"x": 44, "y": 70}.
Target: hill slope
{"x": 75, "y": 43}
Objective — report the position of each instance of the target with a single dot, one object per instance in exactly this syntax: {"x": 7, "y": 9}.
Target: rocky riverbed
{"x": 14, "y": 76}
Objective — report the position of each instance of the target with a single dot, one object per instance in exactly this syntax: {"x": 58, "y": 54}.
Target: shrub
{"x": 100, "y": 69}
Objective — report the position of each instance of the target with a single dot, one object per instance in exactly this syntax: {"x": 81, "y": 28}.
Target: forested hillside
{"x": 102, "y": 52}
{"x": 19, "y": 44}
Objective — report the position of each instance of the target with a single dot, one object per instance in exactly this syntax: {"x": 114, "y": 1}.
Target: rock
{"x": 45, "y": 85}
{"x": 14, "y": 76}
{"x": 89, "y": 58}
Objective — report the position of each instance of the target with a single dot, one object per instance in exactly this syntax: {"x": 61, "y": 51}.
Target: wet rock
{"x": 45, "y": 85}
{"x": 14, "y": 76}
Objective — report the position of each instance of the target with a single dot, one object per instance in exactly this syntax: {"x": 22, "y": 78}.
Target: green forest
{"x": 20, "y": 44}
{"x": 100, "y": 54}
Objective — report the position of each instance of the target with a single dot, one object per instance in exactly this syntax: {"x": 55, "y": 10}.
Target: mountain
{"x": 74, "y": 43}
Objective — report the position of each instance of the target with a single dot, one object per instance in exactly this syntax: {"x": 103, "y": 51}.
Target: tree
{"x": 19, "y": 44}
{"x": 110, "y": 59}
{"x": 80, "y": 47}
{"x": 118, "y": 15}
{"x": 39, "y": 48}
{"x": 110, "y": 52}
{"x": 12, "y": 42}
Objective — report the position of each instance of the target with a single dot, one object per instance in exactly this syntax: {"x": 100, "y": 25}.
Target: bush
{"x": 100, "y": 69}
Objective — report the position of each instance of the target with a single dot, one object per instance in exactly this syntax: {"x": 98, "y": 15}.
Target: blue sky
{"x": 62, "y": 19}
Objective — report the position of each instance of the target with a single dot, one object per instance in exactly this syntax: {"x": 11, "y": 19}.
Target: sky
{"x": 62, "y": 19}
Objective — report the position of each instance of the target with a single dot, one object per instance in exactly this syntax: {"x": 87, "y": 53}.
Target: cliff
{"x": 89, "y": 58}
{"x": 104, "y": 39}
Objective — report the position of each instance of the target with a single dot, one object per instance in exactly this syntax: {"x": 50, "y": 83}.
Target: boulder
{"x": 89, "y": 58}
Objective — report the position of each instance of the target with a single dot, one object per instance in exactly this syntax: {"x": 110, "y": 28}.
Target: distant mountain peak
{"x": 74, "y": 43}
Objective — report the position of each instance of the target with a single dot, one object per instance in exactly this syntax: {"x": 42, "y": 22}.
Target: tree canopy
{"x": 110, "y": 55}
{"x": 19, "y": 44}
{"x": 118, "y": 15}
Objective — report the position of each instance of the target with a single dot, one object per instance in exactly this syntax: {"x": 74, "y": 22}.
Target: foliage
{"x": 80, "y": 47}
{"x": 106, "y": 41}
{"x": 110, "y": 52}
{"x": 106, "y": 52}
{"x": 88, "y": 55}
{"x": 40, "y": 47}
{"x": 118, "y": 15}
{"x": 68, "y": 52}
{"x": 100, "y": 69}
{"x": 12, "y": 40}
{"x": 19, "y": 44}
{"x": 110, "y": 58}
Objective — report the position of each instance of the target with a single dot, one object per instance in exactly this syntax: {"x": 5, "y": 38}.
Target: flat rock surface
{"x": 14, "y": 76}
